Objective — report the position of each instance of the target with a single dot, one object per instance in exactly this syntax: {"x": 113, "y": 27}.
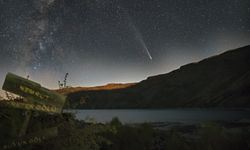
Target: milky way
{"x": 102, "y": 41}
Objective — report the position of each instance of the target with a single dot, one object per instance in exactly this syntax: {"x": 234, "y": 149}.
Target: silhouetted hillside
{"x": 219, "y": 81}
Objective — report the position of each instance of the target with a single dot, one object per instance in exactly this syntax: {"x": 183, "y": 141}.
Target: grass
{"x": 79, "y": 135}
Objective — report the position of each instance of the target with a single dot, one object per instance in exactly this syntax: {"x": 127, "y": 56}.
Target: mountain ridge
{"x": 216, "y": 81}
{"x": 109, "y": 86}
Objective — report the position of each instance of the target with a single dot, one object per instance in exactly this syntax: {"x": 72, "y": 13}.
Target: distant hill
{"x": 218, "y": 81}
{"x": 110, "y": 86}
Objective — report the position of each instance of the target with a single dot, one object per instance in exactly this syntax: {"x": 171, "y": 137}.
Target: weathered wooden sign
{"x": 37, "y": 97}
{"x": 34, "y": 138}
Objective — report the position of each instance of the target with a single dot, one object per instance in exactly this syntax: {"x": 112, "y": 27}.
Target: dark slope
{"x": 219, "y": 81}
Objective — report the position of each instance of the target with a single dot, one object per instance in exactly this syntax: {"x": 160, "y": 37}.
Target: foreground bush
{"x": 79, "y": 135}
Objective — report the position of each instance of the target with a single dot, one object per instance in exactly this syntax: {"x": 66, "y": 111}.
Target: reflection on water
{"x": 163, "y": 115}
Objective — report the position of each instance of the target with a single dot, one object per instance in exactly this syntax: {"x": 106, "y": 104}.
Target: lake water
{"x": 162, "y": 115}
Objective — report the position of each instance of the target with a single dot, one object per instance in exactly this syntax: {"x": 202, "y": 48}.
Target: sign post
{"x": 35, "y": 98}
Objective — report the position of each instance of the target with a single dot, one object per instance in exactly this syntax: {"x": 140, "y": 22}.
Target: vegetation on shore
{"x": 79, "y": 135}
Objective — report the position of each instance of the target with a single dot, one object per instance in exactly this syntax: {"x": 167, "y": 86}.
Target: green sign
{"x": 38, "y": 97}
{"x": 30, "y": 106}
{"x": 35, "y": 98}
{"x": 34, "y": 138}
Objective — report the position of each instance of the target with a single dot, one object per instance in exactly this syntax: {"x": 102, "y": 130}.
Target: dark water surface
{"x": 192, "y": 115}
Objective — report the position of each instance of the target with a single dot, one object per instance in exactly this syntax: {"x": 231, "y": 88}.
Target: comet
{"x": 137, "y": 35}
{"x": 143, "y": 44}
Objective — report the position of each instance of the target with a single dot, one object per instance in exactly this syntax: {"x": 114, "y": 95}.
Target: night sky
{"x": 103, "y": 41}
